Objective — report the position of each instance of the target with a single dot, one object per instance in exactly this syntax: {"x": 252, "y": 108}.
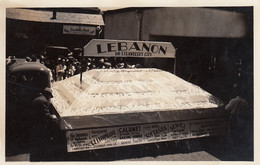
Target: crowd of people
{"x": 65, "y": 67}
{"x": 61, "y": 67}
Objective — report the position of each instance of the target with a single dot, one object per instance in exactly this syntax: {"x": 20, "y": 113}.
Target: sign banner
{"x": 79, "y": 30}
{"x": 89, "y": 139}
{"x": 125, "y": 48}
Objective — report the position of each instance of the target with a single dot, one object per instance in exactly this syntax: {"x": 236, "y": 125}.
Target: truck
{"x": 24, "y": 80}
{"x": 106, "y": 108}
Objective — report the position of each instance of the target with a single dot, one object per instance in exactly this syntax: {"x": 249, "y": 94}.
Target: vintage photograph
{"x": 129, "y": 84}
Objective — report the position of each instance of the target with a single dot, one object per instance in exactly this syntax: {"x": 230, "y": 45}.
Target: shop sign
{"x": 79, "y": 30}
{"x": 126, "y": 48}
{"x": 89, "y": 139}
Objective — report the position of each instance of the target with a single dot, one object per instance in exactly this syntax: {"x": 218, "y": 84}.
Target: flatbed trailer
{"x": 121, "y": 107}
{"x": 153, "y": 106}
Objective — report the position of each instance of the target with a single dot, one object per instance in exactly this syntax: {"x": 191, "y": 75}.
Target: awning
{"x": 126, "y": 48}
{"x": 61, "y": 17}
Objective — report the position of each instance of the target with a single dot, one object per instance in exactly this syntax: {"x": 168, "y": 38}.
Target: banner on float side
{"x": 127, "y": 48}
{"x": 90, "y": 139}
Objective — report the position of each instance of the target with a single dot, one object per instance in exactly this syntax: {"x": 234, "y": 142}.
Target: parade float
{"x": 104, "y": 108}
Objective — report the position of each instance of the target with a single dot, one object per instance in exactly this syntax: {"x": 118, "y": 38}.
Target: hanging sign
{"x": 79, "y": 30}
{"x": 126, "y": 48}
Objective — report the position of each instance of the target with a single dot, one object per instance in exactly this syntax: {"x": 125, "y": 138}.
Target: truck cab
{"x": 24, "y": 80}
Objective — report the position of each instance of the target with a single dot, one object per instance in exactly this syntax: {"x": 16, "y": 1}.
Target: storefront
{"x": 29, "y": 31}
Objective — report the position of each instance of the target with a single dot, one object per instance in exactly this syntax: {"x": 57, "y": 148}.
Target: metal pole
{"x": 174, "y": 67}
{"x": 138, "y": 30}
{"x": 139, "y": 16}
{"x": 81, "y": 60}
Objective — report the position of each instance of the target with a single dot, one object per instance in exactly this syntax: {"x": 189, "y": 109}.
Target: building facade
{"x": 214, "y": 46}
{"x": 28, "y": 31}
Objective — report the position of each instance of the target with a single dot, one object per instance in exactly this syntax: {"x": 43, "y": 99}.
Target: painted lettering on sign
{"x": 129, "y": 129}
{"x": 126, "y": 48}
{"x": 131, "y": 47}
{"x": 79, "y": 140}
{"x": 103, "y": 137}
{"x": 156, "y": 132}
{"x": 177, "y": 127}
{"x": 79, "y": 30}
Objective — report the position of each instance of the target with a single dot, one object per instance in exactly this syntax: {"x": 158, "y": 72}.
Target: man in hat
{"x": 101, "y": 64}
{"x": 42, "y": 118}
{"x": 239, "y": 121}
{"x": 28, "y": 59}
{"x": 60, "y": 69}
{"x": 108, "y": 65}
{"x": 120, "y": 65}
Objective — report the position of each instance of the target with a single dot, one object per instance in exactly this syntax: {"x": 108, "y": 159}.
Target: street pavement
{"x": 192, "y": 156}
{"x": 202, "y": 149}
